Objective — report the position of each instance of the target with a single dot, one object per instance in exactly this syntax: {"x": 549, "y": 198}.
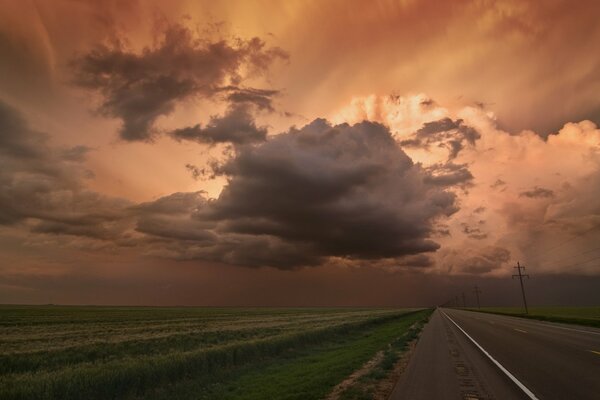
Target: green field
{"x": 59, "y": 352}
{"x": 589, "y": 316}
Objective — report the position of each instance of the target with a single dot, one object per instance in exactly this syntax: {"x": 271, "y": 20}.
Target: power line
{"x": 558, "y": 245}
{"x": 570, "y": 257}
{"x": 579, "y": 263}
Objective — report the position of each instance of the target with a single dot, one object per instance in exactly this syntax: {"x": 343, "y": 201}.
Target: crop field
{"x": 56, "y": 352}
{"x": 589, "y": 316}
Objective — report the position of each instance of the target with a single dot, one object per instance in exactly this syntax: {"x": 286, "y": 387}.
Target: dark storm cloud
{"x": 448, "y": 133}
{"x": 300, "y": 198}
{"x": 345, "y": 191}
{"x": 303, "y": 197}
{"x": 236, "y": 126}
{"x": 140, "y": 87}
{"x": 537, "y": 193}
{"x": 41, "y": 183}
{"x": 17, "y": 140}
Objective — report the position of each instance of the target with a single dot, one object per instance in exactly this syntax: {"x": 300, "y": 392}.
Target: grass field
{"x": 58, "y": 352}
{"x": 589, "y": 316}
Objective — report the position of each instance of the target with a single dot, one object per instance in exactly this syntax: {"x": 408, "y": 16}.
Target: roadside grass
{"x": 587, "y": 316}
{"x": 366, "y": 385}
{"x": 305, "y": 373}
{"x": 108, "y": 353}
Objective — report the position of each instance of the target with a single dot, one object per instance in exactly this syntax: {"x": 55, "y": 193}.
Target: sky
{"x": 299, "y": 153}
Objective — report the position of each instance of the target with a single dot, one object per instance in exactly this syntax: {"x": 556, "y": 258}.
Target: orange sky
{"x": 494, "y": 102}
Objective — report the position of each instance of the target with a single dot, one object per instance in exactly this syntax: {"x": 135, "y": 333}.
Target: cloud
{"x": 473, "y": 233}
{"x": 537, "y": 193}
{"x": 498, "y": 183}
{"x": 139, "y": 87}
{"x": 345, "y": 191}
{"x": 488, "y": 174}
{"x": 449, "y": 174}
{"x": 448, "y": 133}
{"x": 261, "y": 98}
{"x": 296, "y": 199}
{"x": 236, "y": 126}
{"x": 76, "y": 153}
{"x": 475, "y": 261}
{"x": 40, "y": 184}
{"x": 305, "y": 196}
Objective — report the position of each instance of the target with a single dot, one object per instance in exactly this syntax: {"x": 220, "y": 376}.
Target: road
{"x": 531, "y": 359}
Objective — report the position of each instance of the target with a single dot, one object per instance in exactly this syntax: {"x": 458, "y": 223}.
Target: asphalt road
{"x": 546, "y": 360}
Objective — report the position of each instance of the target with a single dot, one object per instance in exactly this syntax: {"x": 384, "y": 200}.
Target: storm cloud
{"x": 318, "y": 192}
{"x": 139, "y": 87}
{"x": 299, "y": 198}
{"x": 46, "y": 185}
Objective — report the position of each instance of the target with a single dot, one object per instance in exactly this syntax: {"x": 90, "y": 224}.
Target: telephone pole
{"x": 520, "y": 275}
{"x": 477, "y": 291}
{"x": 464, "y": 302}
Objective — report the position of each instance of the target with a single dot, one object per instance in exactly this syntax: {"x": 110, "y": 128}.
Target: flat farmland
{"x": 57, "y": 352}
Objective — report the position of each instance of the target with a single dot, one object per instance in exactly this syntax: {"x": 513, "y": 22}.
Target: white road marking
{"x": 511, "y": 376}
{"x": 525, "y": 321}
{"x": 567, "y": 329}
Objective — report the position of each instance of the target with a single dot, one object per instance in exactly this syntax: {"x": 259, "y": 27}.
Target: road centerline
{"x": 521, "y": 386}
{"x": 519, "y": 330}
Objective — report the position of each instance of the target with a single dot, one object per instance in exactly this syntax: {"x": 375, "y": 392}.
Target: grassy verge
{"x": 304, "y": 373}
{"x": 587, "y": 316}
{"x": 368, "y": 384}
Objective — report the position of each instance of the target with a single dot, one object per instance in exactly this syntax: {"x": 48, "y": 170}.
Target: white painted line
{"x": 511, "y": 376}
{"x": 530, "y": 321}
{"x": 566, "y": 329}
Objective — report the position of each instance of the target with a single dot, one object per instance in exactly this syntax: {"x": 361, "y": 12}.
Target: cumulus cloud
{"x": 139, "y": 87}
{"x": 560, "y": 171}
{"x": 322, "y": 191}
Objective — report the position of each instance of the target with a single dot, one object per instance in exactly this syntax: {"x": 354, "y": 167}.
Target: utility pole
{"x": 464, "y": 302}
{"x": 456, "y": 302}
{"x": 477, "y": 291}
{"x": 520, "y": 275}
